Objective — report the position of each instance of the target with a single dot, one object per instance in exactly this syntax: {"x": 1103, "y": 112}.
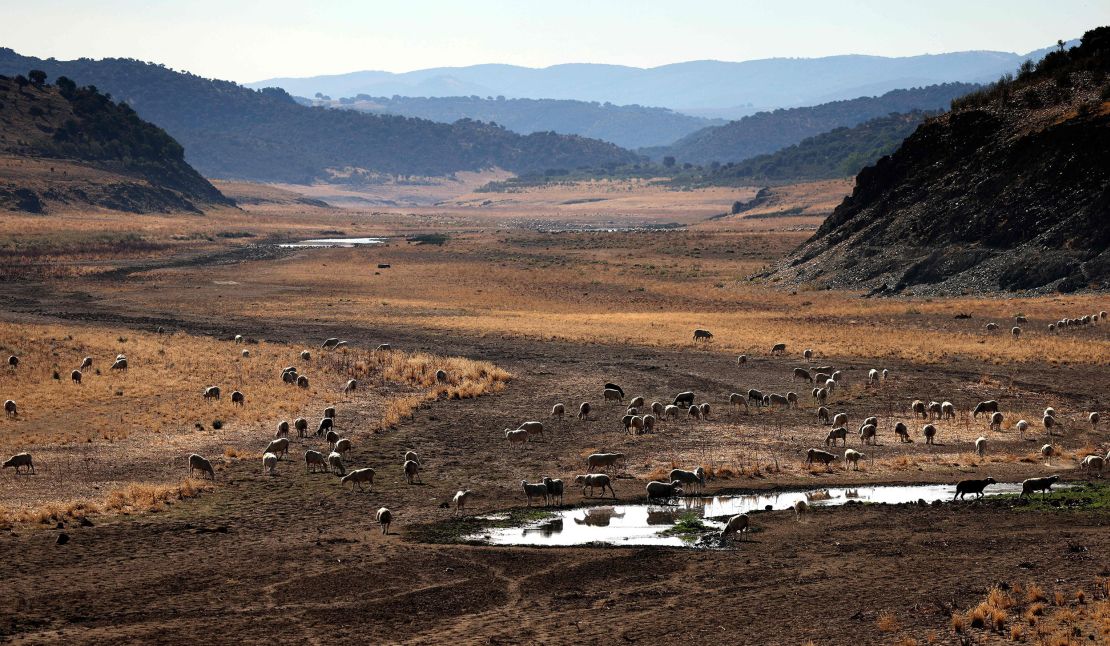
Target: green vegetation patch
{"x": 1091, "y": 496}
{"x": 469, "y": 529}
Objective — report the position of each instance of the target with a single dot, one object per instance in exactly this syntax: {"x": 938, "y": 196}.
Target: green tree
{"x": 668, "y": 161}
{"x": 37, "y": 77}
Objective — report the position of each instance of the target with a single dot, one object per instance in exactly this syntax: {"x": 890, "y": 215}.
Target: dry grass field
{"x": 523, "y": 309}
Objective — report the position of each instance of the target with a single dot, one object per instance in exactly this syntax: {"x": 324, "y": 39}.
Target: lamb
{"x": 75, "y": 377}
{"x": 306, "y": 355}
{"x": 279, "y": 447}
{"x": 301, "y": 424}
{"x": 918, "y": 408}
{"x": 980, "y": 446}
{"x": 238, "y": 398}
{"x": 1093, "y": 418}
{"x": 976, "y": 487}
{"x": 867, "y": 434}
{"x": 840, "y": 419}
{"x": 198, "y": 463}
{"x": 817, "y": 455}
{"x": 704, "y": 335}
{"x": 269, "y": 463}
{"x": 930, "y": 433}
{"x": 461, "y": 498}
{"x": 594, "y": 480}
{"x": 533, "y": 428}
{"x": 534, "y": 490}
{"x": 695, "y": 477}
{"x": 554, "y": 489}
{"x": 756, "y": 396}
{"x": 120, "y": 364}
{"x": 86, "y": 363}
{"x": 335, "y": 463}
{"x": 852, "y": 456}
{"x": 21, "y": 460}
{"x": 584, "y": 411}
{"x": 996, "y": 421}
{"x": 801, "y": 373}
{"x": 611, "y": 395}
{"x": 823, "y": 415}
{"x": 1043, "y": 485}
{"x": 663, "y": 490}
{"x": 313, "y": 459}
{"x": 343, "y": 446}
{"x": 302, "y": 381}
{"x": 735, "y": 525}
{"x": 838, "y": 433}
{"x": 558, "y": 410}
{"x": 902, "y": 432}
{"x": 212, "y": 392}
{"x": 778, "y": 348}
{"x": 357, "y": 477}
{"x": 684, "y": 398}
{"x": 989, "y": 406}
{"x": 282, "y": 429}
{"x": 603, "y": 460}
{"x": 385, "y": 519}
{"x": 350, "y": 387}
{"x": 947, "y": 410}
{"x": 412, "y": 471}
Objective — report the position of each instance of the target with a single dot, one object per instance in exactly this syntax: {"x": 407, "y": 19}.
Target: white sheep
{"x": 1048, "y": 450}
{"x": 75, "y": 377}
{"x": 868, "y": 434}
{"x": 930, "y": 433}
{"x": 840, "y": 419}
{"x": 554, "y": 489}
{"x": 412, "y": 471}
{"x": 1016, "y": 331}
{"x": 980, "y": 446}
{"x": 461, "y": 498}
{"x": 736, "y": 525}
{"x": 637, "y": 402}
{"x": 695, "y": 477}
{"x": 1050, "y": 411}
{"x": 342, "y": 446}
{"x": 278, "y": 447}
{"x": 557, "y": 411}
{"x": 595, "y": 480}
{"x": 269, "y": 463}
{"x": 238, "y": 338}
{"x": 282, "y": 429}
{"x": 246, "y": 354}
{"x": 671, "y": 410}
{"x": 335, "y": 462}
{"x": 852, "y": 456}
{"x": 903, "y": 432}
{"x": 948, "y": 410}
{"x": 357, "y": 477}
{"x": 603, "y": 460}
{"x": 533, "y": 428}
{"x": 778, "y": 348}
{"x": 1049, "y": 423}
{"x": 1093, "y": 463}
{"x": 385, "y": 518}
{"x": 411, "y": 455}
{"x": 741, "y": 360}
{"x": 350, "y": 387}
{"x": 872, "y": 377}
{"x": 314, "y": 459}
{"x": 198, "y": 463}
{"x": 996, "y": 421}
{"x": 519, "y": 436}
{"x": 1022, "y": 426}
{"x": 534, "y": 490}
{"x": 305, "y": 355}
{"x": 663, "y": 490}
{"x": 86, "y": 363}
{"x": 823, "y": 415}
{"x": 301, "y": 424}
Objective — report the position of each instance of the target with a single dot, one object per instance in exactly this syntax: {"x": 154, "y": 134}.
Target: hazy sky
{"x": 251, "y": 40}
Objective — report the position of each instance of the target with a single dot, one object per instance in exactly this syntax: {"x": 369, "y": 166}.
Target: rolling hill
{"x": 1008, "y": 191}
{"x": 230, "y": 131}
{"x": 64, "y": 145}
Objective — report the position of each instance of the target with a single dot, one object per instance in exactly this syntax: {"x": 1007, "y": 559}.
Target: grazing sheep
{"x": 75, "y": 377}
{"x": 838, "y": 433}
{"x": 791, "y": 398}
{"x": 1050, "y": 423}
{"x": 385, "y": 519}
{"x": 694, "y": 412}
{"x": 741, "y": 360}
{"x": 778, "y": 348}
{"x": 705, "y": 408}
{"x": 289, "y": 376}
{"x": 903, "y": 432}
{"x": 326, "y": 424}
{"x": 695, "y": 477}
{"x": 800, "y": 509}
{"x": 1050, "y": 411}
{"x": 822, "y": 396}
{"x": 1051, "y": 327}
{"x": 212, "y": 392}
{"x": 412, "y": 471}
{"x": 246, "y": 354}
{"x": 817, "y": 455}
{"x": 313, "y": 459}
{"x": 357, "y": 477}
{"x": 238, "y": 338}
{"x": 238, "y": 398}
{"x": 868, "y": 434}
{"x": 947, "y": 410}
{"x": 1022, "y": 426}
{"x": 533, "y": 428}
{"x": 936, "y": 409}
{"x": 594, "y": 480}
{"x": 603, "y": 460}
{"x": 626, "y": 422}
{"x": 302, "y": 381}
{"x": 343, "y": 445}
{"x": 637, "y": 424}
{"x": 330, "y": 344}
{"x": 989, "y": 406}
{"x": 329, "y": 412}
{"x": 671, "y": 410}
{"x": 918, "y": 408}
{"x": 872, "y": 377}
{"x": 86, "y": 363}
{"x": 930, "y": 433}
{"x": 807, "y": 354}
{"x": 996, "y": 422}
{"x": 534, "y": 490}
{"x": 1093, "y": 418}
{"x": 13, "y": 362}
{"x": 611, "y": 395}
{"x": 980, "y": 446}
{"x": 269, "y": 463}
{"x": 823, "y": 415}
{"x": 282, "y": 429}
{"x": 684, "y": 398}
{"x": 198, "y": 463}
{"x": 279, "y": 447}
{"x": 663, "y": 490}
{"x": 1015, "y": 331}
{"x": 558, "y": 410}
{"x": 820, "y": 377}
{"x": 554, "y": 489}
{"x": 383, "y": 347}
{"x": 301, "y": 424}
{"x": 756, "y": 396}
{"x": 1048, "y": 450}
{"x": 636, "y": 402}
{"x": 852, "y": 456}
{"x": 735, "y": 525}
{"x": 306, "y": 355}
{"x": 1093, "y": 463}
{"x": 837, "y": 376}
{"x": 801, "y": 373}
{"x": 657, "y": 408}
{"x": 874, "y": 421}
{"x": 886, "y": 373}
{"x": 825, "y": 369}
{"x": 777, "y": 399}
{"x": 649, "y": 423}
{"x": 991, "y": 327}
{"x": 21, "y": 460}
{"x": 335, "y": 462}
{"x": 840, "y": 419}
{"x": 613, "y": 386}
{"x": 350, "y": 387}
{"x": 584, "y": 411}
{"x": 704, "y": 335}
{"x": 331, "y": 437}
{"x": 976, "y": 487}
{"x": 736, "y": 400}
{"x": 1033, "y": 485}
{"x": 461, "y": 498}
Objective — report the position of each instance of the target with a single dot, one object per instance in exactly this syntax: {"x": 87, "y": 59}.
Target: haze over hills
{"x": 230, "y": 131}
{"x": 1008, "y": 191}
{"x": 705, "y": 88}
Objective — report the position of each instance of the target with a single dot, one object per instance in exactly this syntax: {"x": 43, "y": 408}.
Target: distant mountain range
{"x": 767, "y": 132}
{"x": 629, "y": 126}
{"x": 230, "y": 131}
{"x": 706, "y": 88}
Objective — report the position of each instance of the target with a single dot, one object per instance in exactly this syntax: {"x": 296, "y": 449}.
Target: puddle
{"x": 640, "y": 524}
{"x": 333, "y": 242}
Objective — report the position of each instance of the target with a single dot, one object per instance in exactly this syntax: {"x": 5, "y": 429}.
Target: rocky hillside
{"x": 1008, "y": 191}
{"x": 67, "y": 145}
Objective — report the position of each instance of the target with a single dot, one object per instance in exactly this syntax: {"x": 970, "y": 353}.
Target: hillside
{"x": 842, "y": 152}
{"x": 628, "y": 126}
{"x": 67, "y": 145}
{"x": 706, "y": 88}
{"x": 1008, "y": 191}
{"x": 229, "y": 131}
{"x": 767, "y": 132}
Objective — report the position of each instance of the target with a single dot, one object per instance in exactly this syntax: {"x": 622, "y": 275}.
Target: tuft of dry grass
{"x": 887, "y": 622}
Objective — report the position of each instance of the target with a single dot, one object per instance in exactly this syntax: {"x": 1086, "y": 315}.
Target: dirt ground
{"x": 297, "y": 558}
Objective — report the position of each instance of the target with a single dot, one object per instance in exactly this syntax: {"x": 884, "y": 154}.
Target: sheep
{"x": 657, "y": 409}
{"x": 357, "y": 477}
{"x": 13, "y": 362}
{"x": 1102, "y": 314}
{"x": 198, "y": 463}
{"x": 989, "y": 406}
{"x": 930, "y": 433}
{"x": 330, "y": 412}
{"x": 533, "y": 428}
{"x": 874, "y": 421}
{"x": 837, "y": 376}
{"x": 1093, "y": 463}
{"x": 212, "y": 392}
{"x": 852, "y": 456}
{"x": 778, "y": 348}
{"x": 663, "y": 490}
{"x": 695, "y": 477}
{"x": 289, "y": 376}
{"x": 603, "y": 460}
{"x": 75, "y": 377}
{"x": 282, "y": 429}
{"x": 840, "y": 419}
{"x": 246, "y": 354}
{"x": 584, "y": 411}
{"x": 326, "y": 424}
{"x": 343, "y": 445}
{"x": 611, "y": 395}
{"x": 671, "y": 410}
{"x": 872, "y": 377}
{"x": 1093, "y": 418}
{"x": 594, "y": 480}
{"x": 330, "y": 344}
{"x": 460, "y": 499}
{"x": 735, "y": 525}
{"x": 886, "y": 373}
{"x": 822, "y": 396}
{"x": 21, "y": 460}
{"x": 335, "y": 463}
{"x": 801, "y": 373}
{"x": 903, "y": 432}
{"x": 830, "y": 384}
{"x": 800, "y": 509}
{"x": 996, "y": 421}
{"x": 1015, "y": 331}
{"x": 936, "y": 409}
{"x": 626, "y": 422}
{"x": 705, "y": 408}
{"x": 704, "y": 335}
{"x": 756, "y": 396}
{"x": 306, "y": 355}
{"x": 649, "y": 423}
{"x": 868, "y": 434}
{"x": 237, "y": 398}
{"x": 302, "y": 381}
{"x": 636, "y": 402}
{"x": 1050, "y": 411}
{"x": 301, "y": 424}
{"x": 807, "y": 354}
{"x": 350, "y": 387}
{"x": 821, "y": 377}
{"x": 947, "y": 410}
{"x": 980, "y": 446}
{"x": 384, "y": 347}
{"x": 838, "y": 433}
{"x": 120, "y": 364}
{"x": 1048, "y": 450}
{"x": 1022, "y": 426}
{"x": 991, "y": 327}
{"x": 779, "y": 400}
{"x": 741, "y": 360}
{"x": 313, "y": 459}
{"x": 637, "y": 424}
{"x": 557, "y": 411}
{"x": 792, "y": 399}
{"x": 331, "y": 437}
{"x": 385, "y": 519}
{"x": 825, "y": 369}
{"x": 1049, "y": 423}
{"x": 685, "y": 398}
{"x": 694, "y": 412}
{"x": 918, "y": 408}
{"x": 534, "y": 490}
{"x": 412, "y": 471}
{"x": 1051, "y": 327}
{"x": 972, "y": 486}
{"x": 823, "y": 415}
{"x": 238, "y": 339}
{"x": 817, "y": 455}
{"x": 1043, "y": 485}
{"x": 269, "y": 463}
{"x": 278, "y": 447}
{"x": 554, "y": 489}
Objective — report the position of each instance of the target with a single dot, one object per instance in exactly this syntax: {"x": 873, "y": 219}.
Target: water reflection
{"x": 333, "y": 242}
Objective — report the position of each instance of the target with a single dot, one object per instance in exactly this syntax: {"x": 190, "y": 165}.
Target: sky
{"x": 251, "y": 40}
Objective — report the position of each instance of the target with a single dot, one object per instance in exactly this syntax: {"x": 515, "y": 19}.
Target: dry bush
{"x": 887, "y": 622}
{"x": 141, "y": 497}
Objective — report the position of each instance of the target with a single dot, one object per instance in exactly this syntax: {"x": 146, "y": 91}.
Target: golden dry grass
{"x": 1072, "y": 619}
